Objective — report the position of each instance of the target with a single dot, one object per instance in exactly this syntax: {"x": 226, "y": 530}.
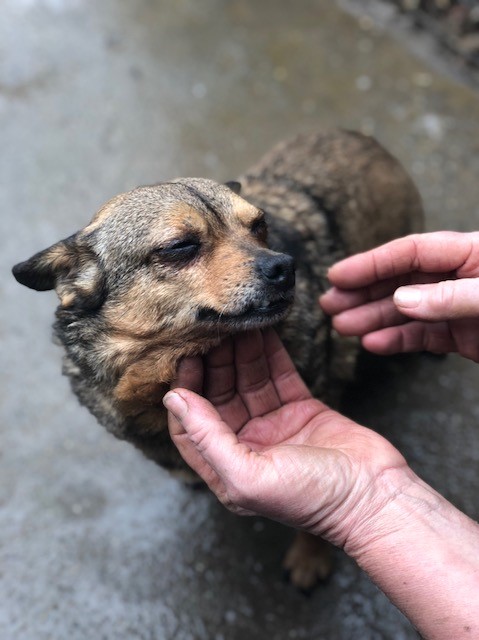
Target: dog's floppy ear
{"x": 72, "y": 269}
{"x": 234, "y": 186}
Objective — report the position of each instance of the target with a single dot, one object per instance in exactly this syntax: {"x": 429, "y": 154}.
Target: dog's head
{"x": 182, "y": 259}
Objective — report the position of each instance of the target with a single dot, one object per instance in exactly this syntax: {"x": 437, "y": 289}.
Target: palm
{"x": 309, "y": 423}
{"x": 279, "y": 439}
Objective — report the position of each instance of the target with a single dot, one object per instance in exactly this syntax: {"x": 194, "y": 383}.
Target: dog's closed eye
{"x": 259, "y": 228}
{"x": 179, "y": 251}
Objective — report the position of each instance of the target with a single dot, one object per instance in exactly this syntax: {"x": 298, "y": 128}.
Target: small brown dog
{"x": 166, "y": 271}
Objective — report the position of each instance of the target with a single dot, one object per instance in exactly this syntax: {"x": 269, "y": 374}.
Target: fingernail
{"x": 408, "y": 297}
{"x": 176, "y": 404}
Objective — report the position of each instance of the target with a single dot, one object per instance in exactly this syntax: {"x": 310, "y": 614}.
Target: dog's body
{"x": 166, "y": 271}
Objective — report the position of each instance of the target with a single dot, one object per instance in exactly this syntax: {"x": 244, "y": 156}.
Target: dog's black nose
{"x": 276, "y": 269}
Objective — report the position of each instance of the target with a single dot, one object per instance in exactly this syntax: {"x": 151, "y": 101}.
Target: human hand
{"x": 265, "y": 446}
{"x": 418, "y": 293}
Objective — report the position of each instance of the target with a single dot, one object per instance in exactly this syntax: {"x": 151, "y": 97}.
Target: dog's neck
{"x": 144, "y": 382}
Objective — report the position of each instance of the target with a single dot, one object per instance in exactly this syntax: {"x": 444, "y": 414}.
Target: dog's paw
{"x": 308, "y": 561}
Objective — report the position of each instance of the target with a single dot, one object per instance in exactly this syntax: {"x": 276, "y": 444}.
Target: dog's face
{"x": 173, "y": 261}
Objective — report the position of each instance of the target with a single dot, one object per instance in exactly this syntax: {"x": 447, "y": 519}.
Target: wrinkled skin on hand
{"x": 418, "y": 293}
{"x": 265, "y": 446}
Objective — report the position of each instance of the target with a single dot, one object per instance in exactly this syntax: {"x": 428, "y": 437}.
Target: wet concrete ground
{"x": 95, "y": 98}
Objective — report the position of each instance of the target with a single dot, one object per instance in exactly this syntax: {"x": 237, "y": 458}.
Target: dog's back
{"x": 328, "y": 195}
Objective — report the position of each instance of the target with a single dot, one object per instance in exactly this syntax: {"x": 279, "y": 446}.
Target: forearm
{"x": 424, "y": 554}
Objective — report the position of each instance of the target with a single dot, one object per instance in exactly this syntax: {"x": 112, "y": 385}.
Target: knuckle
{"x": 414, "y": 241}
{"x": 443, "y": 296}
{"x": 200, "y": 437}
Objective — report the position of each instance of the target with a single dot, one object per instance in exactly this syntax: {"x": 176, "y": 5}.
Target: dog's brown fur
{"x": 165, "y": 271}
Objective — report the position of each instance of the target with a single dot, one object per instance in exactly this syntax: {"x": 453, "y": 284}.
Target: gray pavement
{"x": 95, "y": 98}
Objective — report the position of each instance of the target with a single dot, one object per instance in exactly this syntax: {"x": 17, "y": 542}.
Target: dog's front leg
{"x": 308, "y": 561}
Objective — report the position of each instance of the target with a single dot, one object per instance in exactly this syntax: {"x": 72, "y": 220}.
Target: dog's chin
{"x": 256, "y": 315}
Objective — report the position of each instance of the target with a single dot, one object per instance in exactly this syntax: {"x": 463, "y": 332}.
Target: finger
{"x": 253, "y": 379}
{"x": 206, "y": 442}
{"x": 369, "y": 317}
{"x": 411, "y": 337}
{"x": 219, "y": 383}
{"x": 189, "y": 374}
{"x": 289, "y": 385}
{"x": 196, "y": 428}
{"x": 466, "y": 332}
{"x": 188, "y": 451}
{"x": 336, "y": 300}
{"x": 447, "y": 300}
{"x": 429, "y": 252}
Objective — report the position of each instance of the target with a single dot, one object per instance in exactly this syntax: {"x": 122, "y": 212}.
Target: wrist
{"x": 423, "y": 553}
{"x": 397, "y": 501}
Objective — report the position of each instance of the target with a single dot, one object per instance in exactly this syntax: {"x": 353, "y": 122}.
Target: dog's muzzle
{"x": 276, "y": 277}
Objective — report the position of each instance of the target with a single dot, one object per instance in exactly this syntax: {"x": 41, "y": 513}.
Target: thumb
{"x": 446, "y": 300}
{"x": 202, "y": 436}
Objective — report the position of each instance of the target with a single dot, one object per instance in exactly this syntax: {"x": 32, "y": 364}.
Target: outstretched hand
{"x": 265, "y": 446}
{"x": 418, "y": 293}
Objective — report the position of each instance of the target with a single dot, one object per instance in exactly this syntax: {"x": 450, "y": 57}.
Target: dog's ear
{"x": 72, "y": 269}
{"x": 234, "y": 186}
